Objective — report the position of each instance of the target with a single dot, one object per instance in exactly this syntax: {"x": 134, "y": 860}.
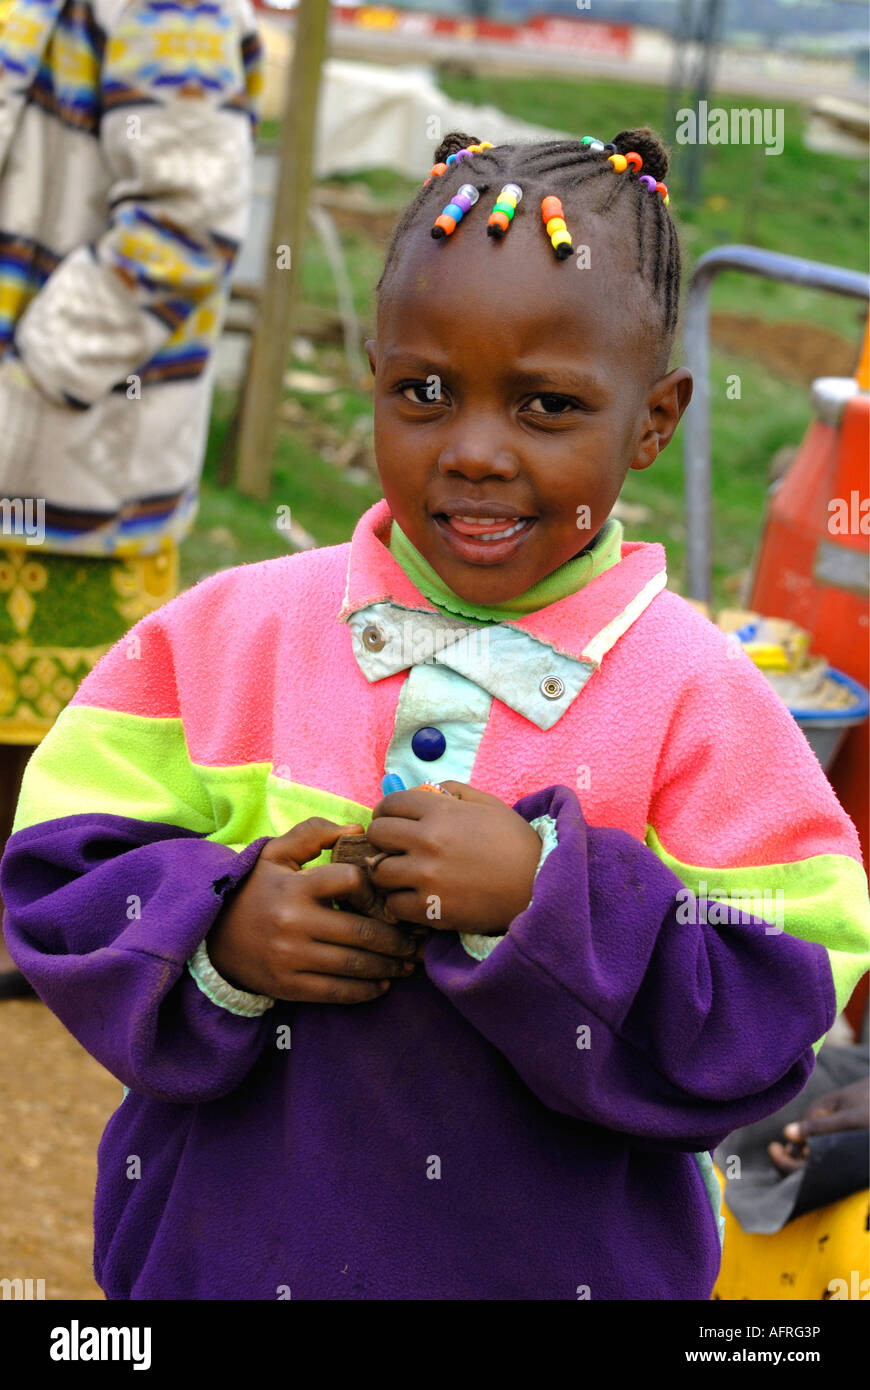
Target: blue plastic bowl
{"x": 825, "y": 729}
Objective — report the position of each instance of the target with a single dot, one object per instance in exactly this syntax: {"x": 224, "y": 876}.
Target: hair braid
{"x": 578, "y": 168}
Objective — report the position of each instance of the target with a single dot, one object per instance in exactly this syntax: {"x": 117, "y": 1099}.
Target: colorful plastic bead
{"x": 596, "y": 145}
{"x": 503, "y": 211}
{"x": 435, "y": 172}
{"x": 619, "y": 162}
{"x": 649, "y": 181}
{"x": 560, "y": 237}
{"x": 466, "y": 197}
{"x": 634, "y": 159}
{"x": 663, "y": 189}
{"x": 444, "y": 225}
{"x": 497, "y": 224}
{"x": 462, "y": 201}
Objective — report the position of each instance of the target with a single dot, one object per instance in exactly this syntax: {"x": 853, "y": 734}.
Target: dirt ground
{"x": 55, "y": 1101}
{"x": 796, "y": 355}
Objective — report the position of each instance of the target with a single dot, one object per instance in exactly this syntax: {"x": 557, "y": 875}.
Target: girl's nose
{"x": 474, "y": 459}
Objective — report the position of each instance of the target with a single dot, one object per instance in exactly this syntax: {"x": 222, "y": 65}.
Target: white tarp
{"x": 384, "y": 117}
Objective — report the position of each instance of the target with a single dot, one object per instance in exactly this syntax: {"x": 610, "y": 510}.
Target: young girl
{"x": 519, "y": 1102}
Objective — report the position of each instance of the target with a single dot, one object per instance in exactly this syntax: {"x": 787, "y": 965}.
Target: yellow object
{"x": 58, "y": 615}
{"x": 619, "y": 162}
{"x": 560, "y": 239}
{"x": 556, "y": 224}
{"x": 821, "y": 1255}
{"x": 766, "y": 656}
{"x": 862, "y": 373}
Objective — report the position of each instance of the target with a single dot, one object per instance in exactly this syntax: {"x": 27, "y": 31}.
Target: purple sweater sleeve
{"x": 614, "y": 1011}
{"x": 102, "y": 914}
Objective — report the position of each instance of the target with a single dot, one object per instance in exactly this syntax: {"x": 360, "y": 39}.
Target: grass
{"x": 798, "y": 202}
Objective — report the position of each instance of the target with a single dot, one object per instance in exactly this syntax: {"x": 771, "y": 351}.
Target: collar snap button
{"x": 373, "y": 639}
{"x": 552, "y": 688}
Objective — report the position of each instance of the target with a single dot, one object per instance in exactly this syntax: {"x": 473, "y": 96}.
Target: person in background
{"x": 126, "y": 152}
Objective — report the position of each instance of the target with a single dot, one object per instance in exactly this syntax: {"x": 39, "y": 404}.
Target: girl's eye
{"x": 426, "y": 392}
{"x": 552, "y": 405}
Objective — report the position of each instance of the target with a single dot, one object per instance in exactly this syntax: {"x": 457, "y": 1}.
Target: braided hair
{"x": 564, "y": 167}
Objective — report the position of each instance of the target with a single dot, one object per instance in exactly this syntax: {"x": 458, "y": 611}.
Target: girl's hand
{"x": 460, "y": 863}
{"x": 277, "y": 933}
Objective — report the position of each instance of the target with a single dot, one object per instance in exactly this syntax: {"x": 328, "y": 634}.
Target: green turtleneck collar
{"x": 600, "y": 555}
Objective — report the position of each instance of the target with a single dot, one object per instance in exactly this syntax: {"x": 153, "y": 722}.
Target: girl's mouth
{"x": 484, "y": 540}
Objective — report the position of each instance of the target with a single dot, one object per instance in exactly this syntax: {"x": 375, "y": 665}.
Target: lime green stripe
{"x": 125, "y": 764}
{"x": 824, "y": 900}
{"x": 97, "y": 760}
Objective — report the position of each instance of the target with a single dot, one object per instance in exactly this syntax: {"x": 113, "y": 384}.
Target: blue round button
{"x": 428, "y": 744}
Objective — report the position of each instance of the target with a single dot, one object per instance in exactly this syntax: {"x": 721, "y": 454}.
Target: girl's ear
{"x": 371, "y": 349}
{"x": 664, "y": 406}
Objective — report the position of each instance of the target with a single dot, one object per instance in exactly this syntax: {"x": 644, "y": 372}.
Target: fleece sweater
{"x": 533, "y": 1123}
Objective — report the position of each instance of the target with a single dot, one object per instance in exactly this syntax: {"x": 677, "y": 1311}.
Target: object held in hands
{"x": 359, "y": 850}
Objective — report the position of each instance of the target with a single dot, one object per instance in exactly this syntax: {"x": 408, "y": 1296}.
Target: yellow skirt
{"x": 823, "y": 1254}
{"x": 58, "y": 615}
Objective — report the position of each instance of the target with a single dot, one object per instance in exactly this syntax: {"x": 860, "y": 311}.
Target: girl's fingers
{"x": 360, "y": 896}
{"x": 396, "y": 835}
{"x": 463, "y": 792}
{"x": 347, "y": 882}
{"x": 411, "y": 804}
{"x": 361, "y": 933}
{"x": 395, "y": 871}
{"x": 307, "y": 840}
{"x": 409, "y": 907}
{"x": 332, "y": 989}
{"x": 353, "y": 963}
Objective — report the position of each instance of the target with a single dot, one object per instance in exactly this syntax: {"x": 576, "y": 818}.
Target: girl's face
{"x": 513, "y": 392}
